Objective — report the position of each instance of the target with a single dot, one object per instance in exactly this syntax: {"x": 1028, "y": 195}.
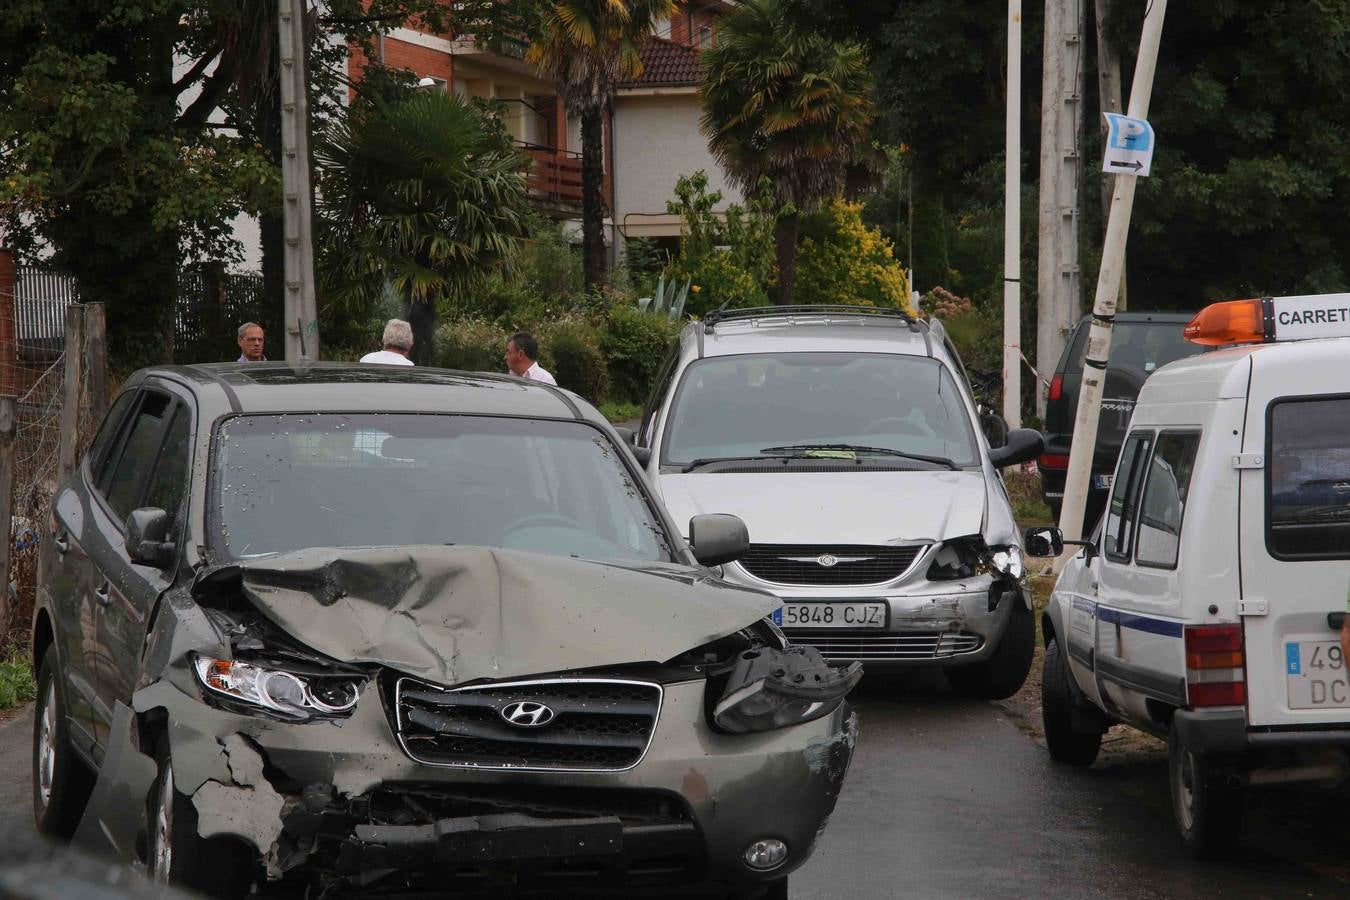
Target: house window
{"x": 703, "y": 38}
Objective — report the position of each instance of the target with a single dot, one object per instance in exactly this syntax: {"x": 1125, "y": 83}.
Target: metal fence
{"x": 210, "y": 307}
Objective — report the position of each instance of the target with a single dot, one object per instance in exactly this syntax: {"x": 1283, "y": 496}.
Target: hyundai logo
{"x": 527, "y": 714}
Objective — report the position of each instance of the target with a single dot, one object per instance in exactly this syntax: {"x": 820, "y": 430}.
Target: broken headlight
{"x": 770, "y": 689}
{"x": 288, "y": 693}
{"x": 966, "y": 557}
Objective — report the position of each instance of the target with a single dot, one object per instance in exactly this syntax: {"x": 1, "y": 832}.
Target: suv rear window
{"x": 1144, "y": 346}
{"x": 1308, "y": 479}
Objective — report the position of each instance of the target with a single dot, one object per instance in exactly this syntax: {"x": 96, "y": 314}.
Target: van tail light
{"x": 1056, "y": 387}
{"x": 1054, "y": 461}
{"x": 1216, "y": 666}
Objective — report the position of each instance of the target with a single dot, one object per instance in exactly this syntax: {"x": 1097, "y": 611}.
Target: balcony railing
{"x": 555, "y": 177}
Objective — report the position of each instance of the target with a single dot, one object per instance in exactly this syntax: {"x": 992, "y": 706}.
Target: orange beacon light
{"x": 1230, "y": 322}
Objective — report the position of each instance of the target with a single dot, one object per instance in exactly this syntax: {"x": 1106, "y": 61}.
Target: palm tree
{"x": 588, "y": 46}
{"x": 791, "y": 105}
{"x": 424, "y": 196}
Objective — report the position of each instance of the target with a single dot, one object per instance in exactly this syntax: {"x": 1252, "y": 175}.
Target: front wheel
{"x": 1004, "y": 671}
{"x": 1066, "y": 744}
{"x": 1208, "y": 813}
{"x": 219, "y": 867}
{"x": 61, "y": 782}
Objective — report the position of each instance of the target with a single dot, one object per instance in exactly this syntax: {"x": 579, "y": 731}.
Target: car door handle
{"x": 62, "y": 543}
{"x": 104, "y": 595}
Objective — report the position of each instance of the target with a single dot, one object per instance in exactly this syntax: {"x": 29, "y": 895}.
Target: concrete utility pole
{"x": 1012, "y": 225}
{"x": 1108, "y": 93}
{"x": 1108, "y": 282}
{"x": 1058, "y": 277}
{"x": 301, "y": 308}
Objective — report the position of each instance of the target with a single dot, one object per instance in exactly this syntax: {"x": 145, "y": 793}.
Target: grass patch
{"x": 16, "y": 678}
{"x": 1024, "y": 490}
{"x": 618, "y": 412}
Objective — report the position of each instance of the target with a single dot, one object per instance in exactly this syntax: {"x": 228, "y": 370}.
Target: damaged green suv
{"x": 339, "y": 628}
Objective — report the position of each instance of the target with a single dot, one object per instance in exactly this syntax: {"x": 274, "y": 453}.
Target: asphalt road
{"x": 951, "y": 798}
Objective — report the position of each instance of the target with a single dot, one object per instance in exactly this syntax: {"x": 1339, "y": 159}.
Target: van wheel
{"x": 61, "y": 781}
{"x": 1067, "y": 745}
{"x": 1003, "y": 672}
{"x": 1208, "y": 814}
{"x": 218, "y": 867}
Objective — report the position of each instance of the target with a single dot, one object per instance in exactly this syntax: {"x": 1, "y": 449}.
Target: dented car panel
{"x": 407, "y": 717}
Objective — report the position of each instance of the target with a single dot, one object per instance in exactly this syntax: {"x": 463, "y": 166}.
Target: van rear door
{"x": 1295, "y": 534}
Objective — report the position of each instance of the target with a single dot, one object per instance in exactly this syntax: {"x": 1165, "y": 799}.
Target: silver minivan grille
{"x": 825, "y": 565}
{"x": 881, "y": 646}
{"x": 591, "y": 724}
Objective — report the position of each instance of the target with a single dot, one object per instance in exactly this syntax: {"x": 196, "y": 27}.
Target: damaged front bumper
{"x": 340, "y": 802}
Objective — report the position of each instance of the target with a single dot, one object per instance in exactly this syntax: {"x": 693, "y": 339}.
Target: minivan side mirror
{"x": 718, "y": 538}
{"x": 1023, "y": 444}
{"x": 147, "y": 529}
{"x": 1047, "y": 541}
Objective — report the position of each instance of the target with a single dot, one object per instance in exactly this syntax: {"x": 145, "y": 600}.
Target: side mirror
{"x": 718, "y": 538}
{"x": 1043, "y": 541}
{"x": 147, "y": 529}
{"x": 1023, "y": 444}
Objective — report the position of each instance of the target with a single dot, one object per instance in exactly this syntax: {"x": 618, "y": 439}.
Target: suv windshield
{"x": 766, "y": 404}
{"x": 287, "y": 482}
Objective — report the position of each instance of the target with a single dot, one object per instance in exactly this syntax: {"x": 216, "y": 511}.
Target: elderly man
{"x": 521, "y": 352}
{"x": 398, "y": 343}
{"x": 251, "y": 343}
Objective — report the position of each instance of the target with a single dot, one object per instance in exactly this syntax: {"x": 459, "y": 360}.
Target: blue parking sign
{"x": 1129, "y": 145}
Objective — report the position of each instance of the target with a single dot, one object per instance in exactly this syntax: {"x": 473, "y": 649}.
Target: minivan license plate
{"x": 1316, "y": 675}
{"x": 1102, "y": 482}
{"x": 831, "y": 615}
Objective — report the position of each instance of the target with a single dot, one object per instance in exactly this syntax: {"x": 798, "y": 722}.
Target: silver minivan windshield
{"x": 862, "y": 405}
{"x": 290, "y": 482}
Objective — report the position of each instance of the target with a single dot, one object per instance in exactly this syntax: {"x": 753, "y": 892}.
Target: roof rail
{"x": 713, "y": 318}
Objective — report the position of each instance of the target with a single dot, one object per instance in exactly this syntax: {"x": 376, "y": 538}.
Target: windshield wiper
{"x": 709, "y": 460}
{"x": 858, "y": 448}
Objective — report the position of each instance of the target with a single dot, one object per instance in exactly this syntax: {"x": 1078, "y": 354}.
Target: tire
{"x": 61, "y": 781}
{"x": 1067, "y": 745}
{"x": 176, "y": 855}
{"x": 1005, "y": 670}
{"x": 1208, "y": 814}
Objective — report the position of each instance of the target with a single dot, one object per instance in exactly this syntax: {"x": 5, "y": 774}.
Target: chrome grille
{"x": 598, "y": 725}
{"x": 915, "y": 645}
{"x": 854, "y": 563}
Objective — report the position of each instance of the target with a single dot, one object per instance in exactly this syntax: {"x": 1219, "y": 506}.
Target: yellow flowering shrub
{"x": 843, "y": 261}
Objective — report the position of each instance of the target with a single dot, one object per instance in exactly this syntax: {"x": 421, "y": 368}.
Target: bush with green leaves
{"x": 844, "y": 261}
{"x": 474, "y": 345}
{"x": 728, "y": 259}
{"x": 570, "y": 349}
{"x": 635, "y": 344}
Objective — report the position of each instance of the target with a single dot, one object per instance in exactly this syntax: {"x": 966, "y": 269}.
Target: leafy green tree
{"x": 791, "y": 105}
{"x": 426, "y": 195}
{"x": 844, "y": 261}
{"x": 588, "y": 46}
{"x": 727, "y": 258}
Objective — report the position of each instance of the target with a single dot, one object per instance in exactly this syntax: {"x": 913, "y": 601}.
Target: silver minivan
{"x": 848, "y": 440}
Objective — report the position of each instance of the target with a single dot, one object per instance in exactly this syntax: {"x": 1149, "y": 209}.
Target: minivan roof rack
{"x": 715, "y": 317}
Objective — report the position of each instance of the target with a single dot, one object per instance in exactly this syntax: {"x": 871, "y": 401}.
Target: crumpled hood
{"x": 859, "y": 507}
{"x": 457, "y": 614}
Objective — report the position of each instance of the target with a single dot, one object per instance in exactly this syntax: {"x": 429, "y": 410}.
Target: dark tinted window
{"x": 284, "y": 483}
{"x": 137, "y": 454}
{"x": 169, "y": 480}
{"x": 1143, "y": 346}
{"x": 1164, "y": 501}
{"x": 107, "y": 433}
{"x": 1120, "y": 513}
{"x": 648, "y": 427}
{"x": 1308, "y": 479}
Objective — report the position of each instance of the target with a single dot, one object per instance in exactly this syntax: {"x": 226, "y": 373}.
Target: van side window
{"x": 647, "y": 430}
{"x": 1164, "y": 500}
{"x": 1120, "y": 513}
{"x": 107, "y": 432}
{"x": 1308, "y": 478}
{"x": 136, "y": 455}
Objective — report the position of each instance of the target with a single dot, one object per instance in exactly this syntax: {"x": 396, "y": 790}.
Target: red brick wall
{"x": 422, "y": 61}
{"x": 685, "y": 25}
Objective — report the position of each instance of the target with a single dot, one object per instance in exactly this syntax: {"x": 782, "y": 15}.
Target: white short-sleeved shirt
{"x": 387, "y": 357}
{"x": 537, "y": 372}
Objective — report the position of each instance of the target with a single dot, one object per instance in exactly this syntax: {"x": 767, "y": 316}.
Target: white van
{"x": 1207, "y": 605}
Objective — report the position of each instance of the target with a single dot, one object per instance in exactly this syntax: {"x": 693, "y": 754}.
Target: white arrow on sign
{"x": 1129, "y": 145}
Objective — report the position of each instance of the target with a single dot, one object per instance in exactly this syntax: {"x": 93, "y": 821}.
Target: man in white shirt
{"x": 251, "y": 343}
{"x": 521, "y": 352}
{"x": 398, "y": 343}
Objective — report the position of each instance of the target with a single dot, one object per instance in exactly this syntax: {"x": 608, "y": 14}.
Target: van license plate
{"x": 831, "y": 615}
{"x": 1102, "y": 482}
{"x": 1316, "y": 675}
